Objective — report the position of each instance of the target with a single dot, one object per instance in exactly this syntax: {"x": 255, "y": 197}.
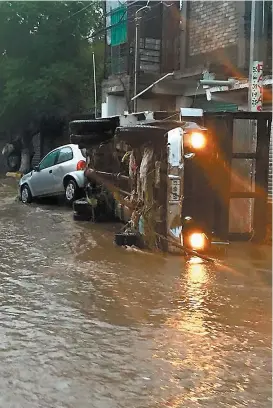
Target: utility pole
{"x": 95, "y": 83}
{"x": 137, "y": 20}
{"x": 256, "y": 54}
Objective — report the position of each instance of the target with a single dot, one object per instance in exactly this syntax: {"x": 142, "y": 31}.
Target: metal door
{"x": 241, "y": 192}
{"x": 64, "y": 164}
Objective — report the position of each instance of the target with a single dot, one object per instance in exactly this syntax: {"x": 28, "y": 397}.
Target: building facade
{"x": 192, "y": 40}
{"x": 157, "y": 51}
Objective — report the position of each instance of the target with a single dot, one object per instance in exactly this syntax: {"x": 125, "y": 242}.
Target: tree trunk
{"x": 8, "y": 149}
{"x": 25, "y": 160}
{"x": 26, "y": 150}
{"x": 12, "y": 156}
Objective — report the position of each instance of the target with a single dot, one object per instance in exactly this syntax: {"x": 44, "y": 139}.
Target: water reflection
{"x": 199, "y": 375}
{"x": 197, "y": 272}
{"x": 195, "y": 285}
{"x": 197, "y": 282}
{"x": 83, "y": 322}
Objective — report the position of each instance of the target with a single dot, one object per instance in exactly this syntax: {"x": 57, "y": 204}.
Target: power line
{"x": 102, "y": 30}
{"x": 77, "y": 12}
{"x": 112, "y": 10}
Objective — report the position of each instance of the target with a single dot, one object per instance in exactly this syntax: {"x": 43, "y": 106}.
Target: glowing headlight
{"x": 197, "y": 240}
{"x": 198, "y": 140}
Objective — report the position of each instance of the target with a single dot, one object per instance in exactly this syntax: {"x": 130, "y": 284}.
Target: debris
{"x": 15, "y": 174}
{"x": 145, "y": 167}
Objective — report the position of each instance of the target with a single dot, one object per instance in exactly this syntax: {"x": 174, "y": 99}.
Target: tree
{"x": 45, "y": 64}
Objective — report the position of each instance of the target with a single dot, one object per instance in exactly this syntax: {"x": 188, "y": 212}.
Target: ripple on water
{"x": 83, "y": 323}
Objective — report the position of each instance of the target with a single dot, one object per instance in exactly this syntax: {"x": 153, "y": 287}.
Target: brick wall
{"x": 212, "y": 25}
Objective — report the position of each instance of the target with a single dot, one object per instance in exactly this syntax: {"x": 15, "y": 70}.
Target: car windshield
{"x": 83, "y": 152}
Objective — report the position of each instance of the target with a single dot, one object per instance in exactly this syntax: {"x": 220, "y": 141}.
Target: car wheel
{"x": 26, "y": 196}
{"x": 71, "y": 192}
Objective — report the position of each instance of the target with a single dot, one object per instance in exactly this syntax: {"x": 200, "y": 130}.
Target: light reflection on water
{"x": 86, "y": 324}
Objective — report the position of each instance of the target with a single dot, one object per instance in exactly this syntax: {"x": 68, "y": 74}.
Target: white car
{"x": 60, "y": 172}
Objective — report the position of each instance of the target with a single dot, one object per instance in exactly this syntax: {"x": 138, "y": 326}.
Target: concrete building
{"x": 158, "y": 52}
{"x": 192, "y": 39}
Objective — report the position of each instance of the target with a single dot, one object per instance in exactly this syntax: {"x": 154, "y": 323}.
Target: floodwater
{"x": 87, "y": 325}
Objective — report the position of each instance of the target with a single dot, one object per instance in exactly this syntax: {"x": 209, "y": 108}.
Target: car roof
{"x": 72, "y": 146}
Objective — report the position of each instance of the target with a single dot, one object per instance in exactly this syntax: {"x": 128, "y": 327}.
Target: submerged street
{"x": 87, "y": 324}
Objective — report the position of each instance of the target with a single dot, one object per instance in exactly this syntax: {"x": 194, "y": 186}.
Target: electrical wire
{"x": 121, "y": 20}
{"x": 111, "y": 11}
{"x": 105, "y": 29}
{"x": 77, "y": 12}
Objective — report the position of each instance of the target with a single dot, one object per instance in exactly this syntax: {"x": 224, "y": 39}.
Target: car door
{"x": 42, "y": 180}
{"x": 64, "y": 165}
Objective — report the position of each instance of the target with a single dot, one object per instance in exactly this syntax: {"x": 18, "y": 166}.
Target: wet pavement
{"x": 86, "y": 324}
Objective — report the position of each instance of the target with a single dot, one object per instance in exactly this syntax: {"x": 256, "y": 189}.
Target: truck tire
{"x": 82, "y": 207}
{"x": 81, "y": 217}
{"x": 81, "y": 127}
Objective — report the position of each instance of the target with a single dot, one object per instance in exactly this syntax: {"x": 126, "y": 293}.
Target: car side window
{"x": 49, "y": 160}
{"x": 66, "y": 154}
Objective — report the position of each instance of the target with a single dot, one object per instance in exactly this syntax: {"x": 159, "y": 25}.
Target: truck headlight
{"x": 197, "y": 240}
{"x": 197, "y": 140}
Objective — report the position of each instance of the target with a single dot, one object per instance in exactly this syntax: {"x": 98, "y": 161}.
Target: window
{"x": 241, "y": 213}
{"x": 49, "y": 160}
{"x": 244, "y": 136}
{"x": 66, "y": 154}
{"x": 118, "y": 59}
{"x": 242, "y": 178}
{"x": 149, "y": 52}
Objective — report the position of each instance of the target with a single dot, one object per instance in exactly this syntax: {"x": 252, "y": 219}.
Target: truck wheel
{"x": 81, "y": 217}
{"x": 83, "y": 127}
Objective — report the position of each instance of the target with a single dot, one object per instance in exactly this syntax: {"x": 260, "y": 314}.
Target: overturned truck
{"x": 136, "y": 168}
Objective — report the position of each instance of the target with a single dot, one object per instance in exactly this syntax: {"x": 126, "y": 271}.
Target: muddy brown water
{"x": 86, "y": 324}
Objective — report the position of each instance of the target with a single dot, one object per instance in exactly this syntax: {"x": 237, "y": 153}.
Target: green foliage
{"x": 46, "y": 59}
